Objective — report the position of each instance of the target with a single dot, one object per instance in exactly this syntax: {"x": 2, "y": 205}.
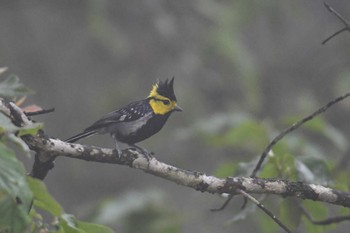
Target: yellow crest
{"x": 154, "y": 90}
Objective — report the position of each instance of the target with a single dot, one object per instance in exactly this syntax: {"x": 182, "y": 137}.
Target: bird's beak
{"x": 177, "y": 108}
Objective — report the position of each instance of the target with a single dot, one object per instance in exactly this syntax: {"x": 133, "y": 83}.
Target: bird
{"x": 137, "y": 120}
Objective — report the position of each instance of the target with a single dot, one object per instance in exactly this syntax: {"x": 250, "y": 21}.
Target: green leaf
{"x": 12, "y": 87}
{"x": 6, "y": 126}
{"x": 269, "y": 170}
{"x": 280, "y": 165}
{"x": 30, "y": 130}
{"x": 71, "y": 225}
{"x": 42, "y": 199}
{"x": 10, "y": 130}
{"x": 12, "y": 217}
{"x": 68, "y": 224}
{"x": 93, "y": 228}
{"x": 15, "y": 195}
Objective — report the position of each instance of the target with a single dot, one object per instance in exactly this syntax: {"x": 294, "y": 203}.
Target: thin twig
{"x": 327, "y": 221}
{"x": 341, "y": 18}
{"x": 334, "y": 34}
{"x": 229, "y": 198}
{"x": 224, "y": 205}
{"x": 40, "y": 112}
{"x": 294, "y": 127}
{"x": 263, "y": 208}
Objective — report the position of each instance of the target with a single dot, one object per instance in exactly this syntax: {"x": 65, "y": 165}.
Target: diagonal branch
{"x": 197, "y": 180}
{"x": 266, "y": 211}
{"x": 193, "y": 179}
{"x": 341, "y": 18}
{"x": 293, "y": 127}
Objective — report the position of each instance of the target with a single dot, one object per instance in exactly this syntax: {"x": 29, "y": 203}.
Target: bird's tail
{"x": 80, "y": 136}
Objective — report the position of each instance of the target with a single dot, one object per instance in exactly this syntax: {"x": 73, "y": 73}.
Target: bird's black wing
{"x": 130, "y": 112}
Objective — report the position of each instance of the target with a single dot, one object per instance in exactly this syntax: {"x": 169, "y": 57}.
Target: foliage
{"x": 21, "y": 197}
{"x": 296, "y": 157}
{"x": 11, "y": 87}
{"x": 15, "y": 194}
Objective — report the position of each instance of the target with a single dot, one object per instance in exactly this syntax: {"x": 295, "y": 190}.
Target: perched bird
{"x": 138, "y": 120}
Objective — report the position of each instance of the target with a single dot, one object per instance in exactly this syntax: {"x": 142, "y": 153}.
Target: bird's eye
{"x": 166, "y": 102}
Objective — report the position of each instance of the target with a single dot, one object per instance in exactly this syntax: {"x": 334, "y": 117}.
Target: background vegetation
{"x": 243, "y": 71}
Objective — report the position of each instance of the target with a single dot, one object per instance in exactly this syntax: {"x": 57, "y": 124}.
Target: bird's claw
{"x": 148, "y": 155}
{"x": 117, "y": 152}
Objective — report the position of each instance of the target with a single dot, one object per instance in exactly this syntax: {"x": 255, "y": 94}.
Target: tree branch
{"x": 51, "y": 148}
{"x": 193, "y": 179}
{"x": 341, "y": 18}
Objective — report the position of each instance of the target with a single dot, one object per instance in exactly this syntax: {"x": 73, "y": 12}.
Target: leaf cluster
{"x": 24, "y": 200}
{"x": 298, "y": 157}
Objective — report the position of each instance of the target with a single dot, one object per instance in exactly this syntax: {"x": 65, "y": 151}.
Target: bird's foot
{"x": 148, "y": 155}
{"x": 117, "y": 152}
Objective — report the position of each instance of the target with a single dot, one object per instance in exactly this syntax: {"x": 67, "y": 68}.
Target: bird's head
{"x": 162, "y": 97}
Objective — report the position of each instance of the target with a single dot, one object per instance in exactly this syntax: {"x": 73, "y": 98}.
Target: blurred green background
{"x": 244, "y": 70}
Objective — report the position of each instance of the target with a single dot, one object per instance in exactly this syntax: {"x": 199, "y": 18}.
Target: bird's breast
{"x": 139, "y": 130}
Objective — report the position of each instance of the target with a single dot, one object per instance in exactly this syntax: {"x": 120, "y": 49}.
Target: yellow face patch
{"x": 160, "y": 104}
